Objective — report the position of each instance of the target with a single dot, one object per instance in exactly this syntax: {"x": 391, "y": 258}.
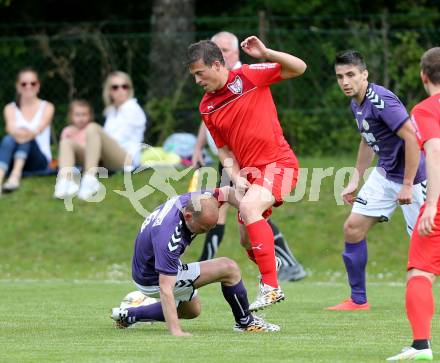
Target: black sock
{"x": 420, "y": 344}
{"x": 281, "y": 248}
{"x": 212, "y": 242}
{"x": 236, "y": 296}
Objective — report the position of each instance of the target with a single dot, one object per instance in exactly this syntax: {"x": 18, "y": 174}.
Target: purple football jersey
{"x": 162, "y": 239}
{"x": 379, "y": 117}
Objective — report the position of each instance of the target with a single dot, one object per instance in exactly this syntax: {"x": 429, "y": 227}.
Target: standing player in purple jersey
{"x": 158, "y": 272}
{"x": 398, "y": 178}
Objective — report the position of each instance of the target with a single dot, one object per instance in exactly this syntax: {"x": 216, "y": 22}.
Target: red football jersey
{"x": 242, "y": 115}
{"x": 426, "y": 119}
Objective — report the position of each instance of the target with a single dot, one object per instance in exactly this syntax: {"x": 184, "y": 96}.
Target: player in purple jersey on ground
{"x": 398, "y": 178}
{"x": 158, "y": 272}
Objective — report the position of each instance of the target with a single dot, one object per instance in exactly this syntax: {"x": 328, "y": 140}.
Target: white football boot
{"x": 268, "y": 295}
{"x": 410, "y": 353}
{"x": 120, "y": 316}
{"x": 258, "y": 325}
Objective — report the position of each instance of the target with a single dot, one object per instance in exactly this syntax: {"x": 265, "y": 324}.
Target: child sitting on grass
{"x": 72, "y": 147}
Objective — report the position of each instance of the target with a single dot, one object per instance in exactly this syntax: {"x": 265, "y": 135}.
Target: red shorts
{"x": 279, "y": 178}
{"x": 424, "y": 251}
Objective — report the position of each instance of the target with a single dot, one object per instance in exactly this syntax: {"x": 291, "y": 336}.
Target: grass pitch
{"x": 61, "y": 272}
{"x": 56, "y": 321}
{"x": 40, "y": 239}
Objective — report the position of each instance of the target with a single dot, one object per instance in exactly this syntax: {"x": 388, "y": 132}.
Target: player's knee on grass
{"x": 189, "y": 309}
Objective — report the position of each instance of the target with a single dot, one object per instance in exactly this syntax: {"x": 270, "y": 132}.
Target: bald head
{"x": 201, "y": 213}
{"x": 228, "y": 44}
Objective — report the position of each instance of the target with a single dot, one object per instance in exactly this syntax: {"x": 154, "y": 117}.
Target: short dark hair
{"x": 206, "y": 50}
{"x": 350, "y": 57}
{"x": 430, "y": 64}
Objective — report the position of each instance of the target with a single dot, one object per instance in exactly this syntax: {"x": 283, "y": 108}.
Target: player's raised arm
{"x": 166, "y": 284}
{"x": 291, "y": 66}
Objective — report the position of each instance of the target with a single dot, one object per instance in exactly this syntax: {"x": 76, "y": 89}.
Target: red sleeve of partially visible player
{"x": 219, "y": 142}
{"x": 263, "y": 74}
{"x": 427, "y": 124}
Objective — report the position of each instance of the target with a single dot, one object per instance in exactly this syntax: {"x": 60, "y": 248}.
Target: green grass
{"x": 54, "y": 321}
{"x": 40, "y": 239}
{"x": 60, "y": 272}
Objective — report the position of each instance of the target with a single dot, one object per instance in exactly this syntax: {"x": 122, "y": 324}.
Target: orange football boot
{"x": 349, "y": 304}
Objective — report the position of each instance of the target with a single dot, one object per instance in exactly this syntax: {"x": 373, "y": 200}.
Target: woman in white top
{"x": 116, "y": 146}
{"x": 27, "y": 143}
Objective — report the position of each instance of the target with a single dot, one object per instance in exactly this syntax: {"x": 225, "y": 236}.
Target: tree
{"x": 172, "y": 30}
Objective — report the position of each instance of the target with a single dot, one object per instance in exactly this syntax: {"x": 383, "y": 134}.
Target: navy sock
{"x": 355, "y": 259}
{"x": 212, "y": 242}
{"x": 151, "y": 312}
{"x": 236, "y": 296}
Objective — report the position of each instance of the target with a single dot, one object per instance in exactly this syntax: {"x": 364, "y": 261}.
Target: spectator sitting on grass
{"x": 26, "y": 146}
{"x": 116, "y": 146}
{"x": 72, "y": 147}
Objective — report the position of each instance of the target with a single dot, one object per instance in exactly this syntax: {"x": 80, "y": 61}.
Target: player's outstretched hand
{"x": 181, "y": 333}
{"x": 348, "y": 193}
{"x": 405, "y": 195}
{"x": 254, "y": 47}
{"x": 426, "y": 222}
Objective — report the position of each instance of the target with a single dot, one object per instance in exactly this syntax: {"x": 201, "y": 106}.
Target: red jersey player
{"x": 241, "y": 116}
{"x": 424, "y": 251}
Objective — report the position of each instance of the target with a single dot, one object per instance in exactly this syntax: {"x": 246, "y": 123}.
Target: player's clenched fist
{"x": 405, "y": 195}
{"x": 254, "y": 47}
